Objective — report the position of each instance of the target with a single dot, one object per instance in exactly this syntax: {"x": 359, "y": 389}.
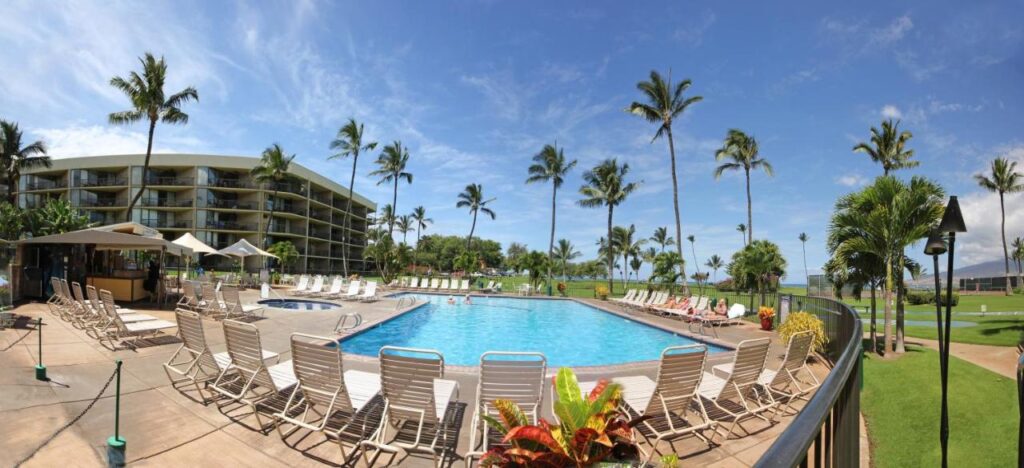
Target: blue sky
{"x": 475, "y": 88}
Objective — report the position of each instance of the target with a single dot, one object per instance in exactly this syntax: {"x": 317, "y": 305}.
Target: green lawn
{"x": 994, "y": 330}
{"x": 900, "y": 403}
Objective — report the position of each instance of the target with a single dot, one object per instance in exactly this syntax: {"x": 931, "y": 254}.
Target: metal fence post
{"x": 116, "y": 445}
{"x": 40, "y": 368}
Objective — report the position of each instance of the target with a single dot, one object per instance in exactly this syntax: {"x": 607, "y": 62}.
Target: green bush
{"x": 918, "y": 297}
{"x": 725, "y": 285}
{"x": 801, "y": 321}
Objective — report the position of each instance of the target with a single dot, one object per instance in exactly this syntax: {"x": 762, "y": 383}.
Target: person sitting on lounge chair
{"x": 684, "y": 304}
{"x": 670, "y": 303}
{"x": 721, "y": 308}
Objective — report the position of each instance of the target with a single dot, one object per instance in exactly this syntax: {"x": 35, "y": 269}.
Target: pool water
{"x": 299, "y": 304}
{"x": 567, "y": 332}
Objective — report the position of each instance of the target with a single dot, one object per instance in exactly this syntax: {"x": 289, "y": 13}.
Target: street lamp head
{"x": 952, "y": 219}
{"x": 936, "y": 245}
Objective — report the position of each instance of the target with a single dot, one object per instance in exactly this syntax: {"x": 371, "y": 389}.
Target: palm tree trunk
{"x": 345, "y": 222}
{"x": 394, "y": 210}
{"x": 551, "y": 240}
{"x": 874, "y": 317}
{"x": 900, "y": 349}
{"x": 750, "y": 213}
{"x": 145, "y": 171}
{"x": 625, "y": 271}
{"x": 675, "y": 205}
{"x": 1006, "y": 253}
{"x": 270, "y": 218}
{"x": 469, "y": 241}
{"x": 887, "y": 294}
{"x": 610, "y": 254}
{"x": 807, "y": 276}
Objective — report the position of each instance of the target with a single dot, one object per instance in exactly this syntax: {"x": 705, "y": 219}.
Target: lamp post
{"x": 952, "y": 223}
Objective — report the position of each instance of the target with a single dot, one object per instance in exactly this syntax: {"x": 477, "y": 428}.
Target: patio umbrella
{"x": 197, "y": 246}
{"x": 242, "y": 249}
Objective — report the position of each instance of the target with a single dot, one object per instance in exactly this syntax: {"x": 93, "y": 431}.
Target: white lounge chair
{"x": 231, "y": 304}
{"x": 793, "y": 380}
{"x": 352, "y": 293}
{"x": 336, "y": 286}
{"x": 444, "y": 285}
{"x": 465, "y": 286}
{"x": 189, "y": 299}
{"x": 671, "y": 403}
{"x": 489, "y": 288}
{"x": 434, "y": 283}
{"x": 193, "y": 361}
{"x": 264, "y": 389}
{"x": 301, "y": 286}
{"x": 329, "y": 399}
{"x": 626, "y": 298}
{"x": 369, "y": 293}
{"x": 515, "y": 376}
{"x": 316, "y": 288}
{"x": 116, "y": 329}
{"x": 416, "y": 397}
{"x": 739, "y": 395}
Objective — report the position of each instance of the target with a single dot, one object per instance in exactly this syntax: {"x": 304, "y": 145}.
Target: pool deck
{"x": 167, "y": 427}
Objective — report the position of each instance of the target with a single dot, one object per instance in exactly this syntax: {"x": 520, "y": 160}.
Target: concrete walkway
{"x": 999, "y": 359}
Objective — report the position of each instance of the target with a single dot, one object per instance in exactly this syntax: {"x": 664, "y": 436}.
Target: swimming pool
{"x": 567, "y": 332}
{"x": 299, "y": 304}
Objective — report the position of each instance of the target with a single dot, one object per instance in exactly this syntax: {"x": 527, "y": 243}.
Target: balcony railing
{"x": 158, "y": 203}
{"x": 320, "y": 215}
{"x": 103, "y": 203}
{"x": 230, "y": 183}
{"x": 231, "y": 225}
{"x": 102, "y": 181}
{"x": 45, "y": 185}
{"x": 299, "y": 230}
{"x": 320, "y": 252}
{"x": 169, "y": 180}
{"x": 830, "y": 420}
{"x": 231, "y": 204}
{"x": 320, "y": 233}
{"x": 287, "y": 187}
{"x": 287, "y": 208}
{"x": 326, "y": 200}
{"x": 166, "y": 224}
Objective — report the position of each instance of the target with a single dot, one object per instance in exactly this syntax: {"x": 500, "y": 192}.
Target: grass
{"x": 993, "y": 330}
{"x": 900, "y": 403}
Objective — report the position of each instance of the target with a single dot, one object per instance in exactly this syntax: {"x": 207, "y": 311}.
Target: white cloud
{"x": 693, "y": 33}
{"x": 892, "y": 32}
{"x": 983, "y": 240}
{"x": 852, "y": 180}
{"x": 97, "y": 140}
{"x": 890, "y": 111}
{"x": 500, "y": 89}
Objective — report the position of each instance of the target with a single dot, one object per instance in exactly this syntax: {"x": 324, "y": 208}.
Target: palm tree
{"x": 550, "y": 165}
{"x": 693, "y": 249}
{"x": 887, "y": 147}
{"x": 148, "y": 101}
{"x": 715, "y": 263}
{"x": 565, "y": 252}
{"x": 635, "y": 263}
{"x": 1005, "y": 179}
{"x": 272, "y": 169}
{"x": 473, "y": 198}
{"x": 662, "y": 238}
{"x": 386, "y": 216}
{"x": 15, "y": 158}
{"x": 404, "y": 224}
{"x": 349, "y": 142}
{"x": 419, "y": 216}
{"x": 803, "y": 244}
{"x": 606, "y": 186}
{"x": 742, "y": 149}
{"x": 391, "y": 168}
{"x": 1018, "y": 255}
{"x": 742, "y": 229}
{"x": 665, "y": 103}
{"x": 626, "y": 244}
{"x": 882, "y": 220}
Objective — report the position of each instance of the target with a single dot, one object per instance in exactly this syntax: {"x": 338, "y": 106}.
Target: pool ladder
{"x": 343, "y": 327}
{"x": 402, "y": 301}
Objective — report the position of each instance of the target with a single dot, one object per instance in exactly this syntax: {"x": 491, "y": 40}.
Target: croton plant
{"x": 592, "y": 428}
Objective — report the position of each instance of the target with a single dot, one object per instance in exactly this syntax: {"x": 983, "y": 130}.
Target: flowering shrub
{"x": 602, "y": 291}
{"x": 797, "y": 322}
{"x": 766, "y": 313}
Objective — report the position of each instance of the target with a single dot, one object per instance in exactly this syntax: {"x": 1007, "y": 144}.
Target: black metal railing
{"x": 45, "y": 185}
{"x": 298, "y": 189}
{"x": 231, "y": 204}
{"x": 230, "y": 183}
{"x": 230, "y": 225}
{"x": 280, "y": 228}
{"x": 827, "y": 430}
{"x": 164, "y": 203}
{"x": 103, "y": 202}
{"x": 166, "y": 224}
{"x": 102, "y": 182}
{"x": 168, "y": 180}
{"x": 320, "y": 233}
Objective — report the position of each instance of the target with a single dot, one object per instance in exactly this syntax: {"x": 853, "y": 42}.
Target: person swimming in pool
{"x": 467, "y": 300}
{"x": 451, "y": 300}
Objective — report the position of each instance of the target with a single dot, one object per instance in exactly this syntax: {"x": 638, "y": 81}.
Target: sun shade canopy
{"x": 244, "y": 249}
{"x": 123, "y": 236}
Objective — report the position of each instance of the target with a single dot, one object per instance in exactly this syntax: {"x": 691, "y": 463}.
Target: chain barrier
{"x": 70, "y": 423}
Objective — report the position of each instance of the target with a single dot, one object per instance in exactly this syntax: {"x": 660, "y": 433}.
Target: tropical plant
{"x": 419, "y": 217}
{"x": 349, "y": 142}
{"x": 467, "y": 262}
{"x": 386, "y": 217}
{"x": 513, "y": 254}
{"x": 591, "y": 429}
{"x": 149, "y": 102}
{"x": 803, "y": 245}
{"x": 1018, "y": 256}
{"x": 536, "y": 264}
{"x": 693, "y": 248}
{"x": 273, "y": 170}
{"x": 625, "y": 243}
{"x": 404, "y": 224}
{"x": 882, "y": 220}
{"x": 15, "y": 158}
{"x": 286, "y": 253}
{"x": 666, "y": 269}
{"x": 1004, "y": 179}
{"x": 565, "y": 252}
{"x": 391, "y": 168}
{"x": 389, "y": 258}
{"x": 888, "y": 147}
{"x": 757, "y": 266}
{"x": 662, "y": 238}
{"x": 742, "y": 150}
{"x": 549, "y": 165}
{"x": 742, "y": 229}
{"x": 635, "y": 264}
{"x": 799, "y": 322}
{"x": 860, "y": 271}
{"x": 665, "y": 103}
{"x": 605, "y": 185}
{"x": 441, "y": 251}
{"x": 57, "y": 216}
{"x": 472, "y": 197}
{"x": 715, "y": 263}
{"x": 12, "y": 221}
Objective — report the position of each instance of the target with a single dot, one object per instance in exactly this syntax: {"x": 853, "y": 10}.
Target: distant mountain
{"x": 980, "y": 270}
